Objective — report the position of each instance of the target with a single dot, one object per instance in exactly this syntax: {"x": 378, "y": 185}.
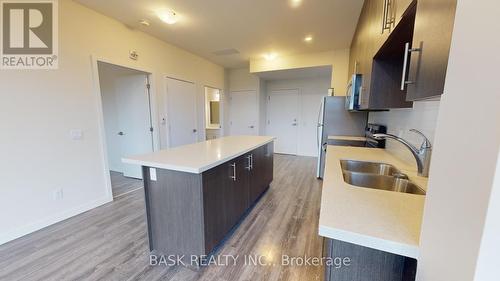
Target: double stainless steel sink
{"x": 378, "y": 176}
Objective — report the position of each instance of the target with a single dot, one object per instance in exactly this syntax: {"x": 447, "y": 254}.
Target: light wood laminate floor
{"x": 110, "y": 242}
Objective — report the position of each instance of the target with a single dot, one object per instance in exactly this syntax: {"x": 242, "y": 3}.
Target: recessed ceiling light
{"x": 295, "y": 3}
{"x": 144, "y": 22}
{"x": 168, "y": 16}
{"x": 308, "y": 38}
{"x": 270, "y": 56}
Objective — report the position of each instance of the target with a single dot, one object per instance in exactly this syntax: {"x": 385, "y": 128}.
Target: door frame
{"x": 298, "y": 110}
{"x": 256, "y": 97}
{"x": 100, "y": 113}
{"x": 221, "y": 109}
{"x": 167, "y": 101}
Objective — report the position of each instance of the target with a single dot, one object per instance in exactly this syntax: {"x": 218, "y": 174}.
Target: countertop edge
{"x": 197, "y": 170}
{"x": 369, "y": 242}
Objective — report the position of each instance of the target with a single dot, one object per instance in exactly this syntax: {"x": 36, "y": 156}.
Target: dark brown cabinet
{"x": 431, "y": 44}
{"x": 367, "y": 40}
{"x": 394, "y": 73}
{"x": 366, "y": 264}
{"x": 214, "y": 197}
{"x": 261, "y": 171}
{"x": 237, "y": 191}
{"x": 231, "y": 188}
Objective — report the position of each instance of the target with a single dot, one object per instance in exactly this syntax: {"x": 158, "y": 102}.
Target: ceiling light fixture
{"x": 168, "y": 16}
{"x": 308, "y": 38}
{"x": 295, "y": 3}
{"x": 270, "y": 56}
{"x": 144, "y": 22}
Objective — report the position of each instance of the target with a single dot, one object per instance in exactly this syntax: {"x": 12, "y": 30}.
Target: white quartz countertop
{"x": 199, "y": 157}
{"x": 347, "y": 138}
{"x": 383, "y": 220}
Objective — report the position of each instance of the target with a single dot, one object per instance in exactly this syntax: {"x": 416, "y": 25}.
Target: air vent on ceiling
{"x": 226, "y": 52}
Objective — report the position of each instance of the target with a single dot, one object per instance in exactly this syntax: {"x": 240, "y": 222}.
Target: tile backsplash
{"x": 423, "y": 117}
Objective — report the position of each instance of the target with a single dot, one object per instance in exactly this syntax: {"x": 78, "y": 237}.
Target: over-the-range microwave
{"x": 353, "y": 95}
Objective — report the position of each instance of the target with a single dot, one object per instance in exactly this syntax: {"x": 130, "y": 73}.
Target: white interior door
{"x": 134, "y": 120}
{"x": 126, "y": 112}
{"x": 243, "y": 113}
{"x": 283, "y": 107}
{"x": 181, "y": 112}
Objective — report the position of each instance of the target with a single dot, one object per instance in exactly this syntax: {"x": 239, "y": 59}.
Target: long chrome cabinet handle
{"x": 251, "y": 161}
{"x": 234, "y": 171}
{"x": 384, "y": 17}
{"x": 249, "y": 157}
{"x": 405, "y": 65}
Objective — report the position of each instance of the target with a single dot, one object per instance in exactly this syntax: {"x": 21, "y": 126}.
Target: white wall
{"x": 310, "y": 90}
{"x": 466, "y": 151}
{"x": 423, "y": 117}
{"x": 338, "y": 59}
{"x": 487, "y": 263}
{"x": 38, "y": 109}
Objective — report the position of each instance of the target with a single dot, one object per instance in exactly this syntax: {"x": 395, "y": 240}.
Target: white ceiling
{"x": 253, "y": 27}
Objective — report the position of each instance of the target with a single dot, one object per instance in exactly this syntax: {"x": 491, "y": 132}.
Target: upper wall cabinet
{"x": 377, "y": 21}
{"x": 401, "y": 49}
{"x": 430, "y": 48}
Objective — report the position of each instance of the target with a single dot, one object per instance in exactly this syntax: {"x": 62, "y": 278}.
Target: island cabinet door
{"x": 236, "y": 190}
{"x": 268, "y": 158}
{"x": 262, "y": 171}
{"x": 256, "y": 171}
{"x": 214, "y": 198}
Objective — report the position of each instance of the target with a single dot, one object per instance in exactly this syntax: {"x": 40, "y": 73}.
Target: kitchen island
{"x": 196, "y": 194}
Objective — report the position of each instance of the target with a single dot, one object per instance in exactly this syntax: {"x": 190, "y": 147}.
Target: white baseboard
{"x": 32, "y": 227}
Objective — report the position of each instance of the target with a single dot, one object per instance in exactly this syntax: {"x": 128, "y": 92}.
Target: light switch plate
{"x": 152, "y": 174}
{"x": 76, "y": 134}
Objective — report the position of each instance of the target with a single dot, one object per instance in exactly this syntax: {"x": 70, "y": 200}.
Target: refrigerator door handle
{"x": 319, "y": 128}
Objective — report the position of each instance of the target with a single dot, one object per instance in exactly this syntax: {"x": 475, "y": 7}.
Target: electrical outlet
{"x": 58, "y": 194}
{"x": 152, "y": 174}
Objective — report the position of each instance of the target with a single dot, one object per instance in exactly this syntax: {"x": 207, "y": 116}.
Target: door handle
{"x": 194, "y": 130}
{"x": 251, "y": 126}
{"x": 121, "y": 133}
{"x": 294, "y": 124}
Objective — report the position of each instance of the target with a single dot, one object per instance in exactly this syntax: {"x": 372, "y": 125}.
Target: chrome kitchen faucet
{"x": 422, "y": 155}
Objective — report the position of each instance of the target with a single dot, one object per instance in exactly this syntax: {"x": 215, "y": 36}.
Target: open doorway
{"x": 294, "y": 99}
{"x": 126, "y": 107}
{"x": 213, "y": 113}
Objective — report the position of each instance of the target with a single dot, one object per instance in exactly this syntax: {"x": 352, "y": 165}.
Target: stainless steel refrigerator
{"x": 335, "y": 120}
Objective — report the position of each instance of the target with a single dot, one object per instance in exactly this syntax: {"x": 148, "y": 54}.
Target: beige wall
{"x": 467, "y": 144}
{"x": 39, "y": 108}
{"x": 338, "y": 59}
